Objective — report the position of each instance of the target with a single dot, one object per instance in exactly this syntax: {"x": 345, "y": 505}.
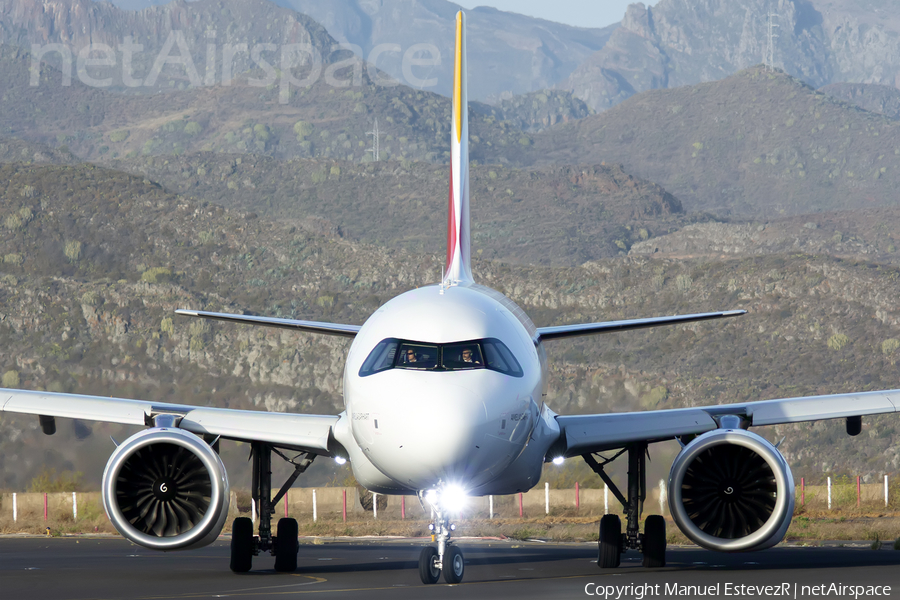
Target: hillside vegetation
{"x": 549, "y": 216}
{"x": 94, "y": 261}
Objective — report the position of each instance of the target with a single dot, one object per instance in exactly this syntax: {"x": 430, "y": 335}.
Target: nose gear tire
{"x": 428, "y": 568}
{"x": 454, "y": 565}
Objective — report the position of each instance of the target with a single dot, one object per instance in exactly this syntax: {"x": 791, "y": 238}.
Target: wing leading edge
{"x": 565, "y": 331}
{"x": 312, "y": 433}
{"x": 308, "y": 326}
{"x": 581, "y": 434}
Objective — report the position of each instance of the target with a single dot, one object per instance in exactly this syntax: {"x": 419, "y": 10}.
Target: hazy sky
{"x": 583, "y": 13}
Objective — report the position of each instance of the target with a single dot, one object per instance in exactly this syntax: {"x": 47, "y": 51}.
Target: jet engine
{"x": 166, "y": 489}
{"x": 732, "y": 491}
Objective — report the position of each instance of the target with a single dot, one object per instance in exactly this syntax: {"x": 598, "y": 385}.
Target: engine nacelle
{"x": 732, "y": 491}
{"x": 166, "y": 489}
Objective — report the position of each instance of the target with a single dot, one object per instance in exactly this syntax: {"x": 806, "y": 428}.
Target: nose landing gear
{"x": 446, "y": 558}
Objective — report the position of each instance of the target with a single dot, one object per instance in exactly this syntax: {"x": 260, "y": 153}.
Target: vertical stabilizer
{"x": 459, "y": 267}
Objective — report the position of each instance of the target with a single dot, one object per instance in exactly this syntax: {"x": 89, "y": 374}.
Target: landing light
{"x": 453, "y": 498}
{"x": 340, "y": 460}
{"x": 559, "y": 460}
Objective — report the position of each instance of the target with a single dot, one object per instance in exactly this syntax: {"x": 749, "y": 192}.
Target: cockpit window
{"x": 488, "y": 353}
{"x": 381, "y": 358}
{"x": 462, "y": 356}
{"x": 417, "y": 356}
{"x": 499, "y": 358}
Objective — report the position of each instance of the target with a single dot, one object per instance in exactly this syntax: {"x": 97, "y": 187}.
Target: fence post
{"x": 491, "y": 505}
{"x": 286, "y": 504}
{"x": 546, "y": 497}
{"x": 857, "y": 491}
{"x": 344, "y": 499}
{"x": 885, "y": 491}
{"x": 829, "y": 493}
{"x": 74, "y": 507}
{"x": 402, "y": 508}
{"x": 45, "y": 506}
{"x": 521, "y": 513}
{"x": 802, "y": 492}
{"x": 315, "y": 508}
{"x": 375, "y": 505}
{"x": 605, "y": 499}
{"x": 577, "y": 497}
{"x": 16, "y": 508}
{"x": 662, "y": 496}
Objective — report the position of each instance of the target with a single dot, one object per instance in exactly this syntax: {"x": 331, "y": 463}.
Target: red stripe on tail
{"x": 451, "y": 226}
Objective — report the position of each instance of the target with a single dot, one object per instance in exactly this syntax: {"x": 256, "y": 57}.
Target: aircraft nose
{"x": 437, "y": 435}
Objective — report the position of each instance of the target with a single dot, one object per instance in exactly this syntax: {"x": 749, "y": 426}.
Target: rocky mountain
{"x": 545, "y": 216}
{"x": 94, "y": 261}
{"x": 509, "y": 54}
{"x": 176, "y": 45}
{"x": 881, "y": 99}
{"x": 759, "y": 144}
{"x": 318, "y": 120}
{"x": 684, "y": 42}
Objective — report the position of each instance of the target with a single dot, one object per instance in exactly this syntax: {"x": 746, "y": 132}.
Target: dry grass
{"x": 808, "y": 526}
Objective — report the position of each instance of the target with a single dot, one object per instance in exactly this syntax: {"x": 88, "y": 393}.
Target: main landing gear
{"x": 445, "y": 558}
{"x": 284, "y": 544}
{"x": 613, "y": 543}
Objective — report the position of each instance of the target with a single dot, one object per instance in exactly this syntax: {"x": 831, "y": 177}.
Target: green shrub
{"x": 838, "y": 341}
{"x": 193, "y": 128}
{"x": 167, "y": 326}
{"x": 73, "y": 250}
{"x": 10, "y": 379}
{"x": 156, "y": 275}
{"x": 119, "y": 136}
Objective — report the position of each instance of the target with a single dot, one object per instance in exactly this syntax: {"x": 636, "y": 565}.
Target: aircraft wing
{"x": 308, "y": 326}
{"x": 581, "y": 434}
{"x": 311, "y": 433}
{"x": 564, "y": 331}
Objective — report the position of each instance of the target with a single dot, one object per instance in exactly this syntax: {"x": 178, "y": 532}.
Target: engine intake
{"x": 731, "y": 491}
{"x": 166, "y": 489}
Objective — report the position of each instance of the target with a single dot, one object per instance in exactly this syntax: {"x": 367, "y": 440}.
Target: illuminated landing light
{"x": 559, "y": 460}
{"x": 454, "y": 498}
{"x": 340, "y": 460}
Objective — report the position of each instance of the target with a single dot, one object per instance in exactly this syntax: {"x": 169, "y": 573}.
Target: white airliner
{"x": 444, "y": 390}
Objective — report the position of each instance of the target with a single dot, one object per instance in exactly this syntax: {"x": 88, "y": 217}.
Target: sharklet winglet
{"x": 459, "y": 268}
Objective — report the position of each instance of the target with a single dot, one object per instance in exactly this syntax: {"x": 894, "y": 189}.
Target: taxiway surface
{"x": 100, "y": 569}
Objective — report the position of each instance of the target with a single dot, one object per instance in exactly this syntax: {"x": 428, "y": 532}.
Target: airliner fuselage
{"x": 452, "y": 399}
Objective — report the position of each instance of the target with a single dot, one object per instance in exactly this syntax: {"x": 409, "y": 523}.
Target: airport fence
{"x": 337, "y": 504}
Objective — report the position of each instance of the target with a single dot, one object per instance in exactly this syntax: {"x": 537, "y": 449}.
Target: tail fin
{"x": 459, "y": 268}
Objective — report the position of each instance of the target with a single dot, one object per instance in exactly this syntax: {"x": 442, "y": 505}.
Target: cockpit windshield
{"x": 488, "y": 353}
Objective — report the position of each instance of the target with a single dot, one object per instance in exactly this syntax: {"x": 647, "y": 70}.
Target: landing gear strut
{"x": 613, "y": 543}
{"x": 284, "y": 545}
{"x": 445, "y": 558}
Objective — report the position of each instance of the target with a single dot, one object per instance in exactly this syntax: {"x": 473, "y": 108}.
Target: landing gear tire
{"x": 286, "y": 546}
{"x": 654, "y": 543}
{"x": 610, "y": 543}
{"x": 454, "y": 565}
{"x": 241, "y": 545}
{"x": 428, "y": 568}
